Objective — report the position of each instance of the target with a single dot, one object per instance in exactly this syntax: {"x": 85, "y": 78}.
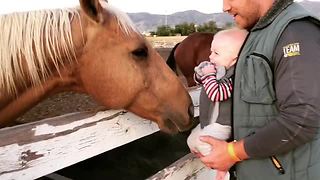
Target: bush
{"x": 185, "y": 29}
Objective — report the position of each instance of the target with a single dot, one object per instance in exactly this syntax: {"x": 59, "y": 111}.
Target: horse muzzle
{"x": 175, "y": 122}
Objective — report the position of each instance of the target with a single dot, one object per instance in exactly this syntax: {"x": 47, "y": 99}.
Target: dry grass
{"x": 165, "y": 41}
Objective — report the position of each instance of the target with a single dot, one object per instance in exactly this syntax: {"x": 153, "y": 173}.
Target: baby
{"x": 215, "y": 102}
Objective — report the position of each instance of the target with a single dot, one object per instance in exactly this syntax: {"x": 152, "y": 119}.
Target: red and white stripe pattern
{"x": 217, "y": 90}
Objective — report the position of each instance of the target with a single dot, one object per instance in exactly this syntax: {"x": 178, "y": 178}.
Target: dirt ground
{"x": 165, "y": 42}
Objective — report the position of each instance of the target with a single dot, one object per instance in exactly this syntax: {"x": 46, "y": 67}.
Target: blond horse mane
{"x": 40, "y": 37}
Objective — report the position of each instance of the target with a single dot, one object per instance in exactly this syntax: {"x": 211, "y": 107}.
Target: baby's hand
{"x": 209, "y": 69}
{"x": 199, "y": 69}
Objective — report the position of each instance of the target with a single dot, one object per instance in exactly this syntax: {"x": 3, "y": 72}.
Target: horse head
{"x": 94, "y": 49}
{"x": 120, "y": 69}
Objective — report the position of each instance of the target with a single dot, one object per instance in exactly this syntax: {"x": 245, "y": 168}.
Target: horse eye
{"x": 140, "y": 53}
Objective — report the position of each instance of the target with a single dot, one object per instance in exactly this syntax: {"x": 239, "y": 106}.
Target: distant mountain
{"x": 147, "y": 22}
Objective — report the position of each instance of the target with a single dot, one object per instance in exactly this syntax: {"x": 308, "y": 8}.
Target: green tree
{"x": 228, "y": 25}
{"x": 184, "y": 29}
{"x": 187, "y": 28}
{"x": 210, "y": 26}
{"x": 152, "y": 33}
{"x": 164, "y": 30}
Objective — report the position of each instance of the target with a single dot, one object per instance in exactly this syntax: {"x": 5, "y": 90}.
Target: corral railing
{"x": 33, "y": 150}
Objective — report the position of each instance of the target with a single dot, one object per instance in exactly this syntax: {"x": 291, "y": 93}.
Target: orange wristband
{"x": 232, "y": 152}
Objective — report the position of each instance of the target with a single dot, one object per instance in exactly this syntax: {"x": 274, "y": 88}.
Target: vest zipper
{"x": 277, "y": 165}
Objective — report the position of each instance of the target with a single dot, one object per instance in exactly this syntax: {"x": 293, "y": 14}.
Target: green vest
{"x": 254, "y": 104}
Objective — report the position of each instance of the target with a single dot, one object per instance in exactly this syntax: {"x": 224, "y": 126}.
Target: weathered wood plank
{"x": 47, "y": 148}
{"x": 36, "y": 149}
{"x": 188, "y": 167}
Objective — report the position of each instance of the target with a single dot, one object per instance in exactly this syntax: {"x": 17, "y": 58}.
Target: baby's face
{"x": 222, "y": 52}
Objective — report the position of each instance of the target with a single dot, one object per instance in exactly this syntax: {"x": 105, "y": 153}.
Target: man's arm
{"x": 297, "y": 86}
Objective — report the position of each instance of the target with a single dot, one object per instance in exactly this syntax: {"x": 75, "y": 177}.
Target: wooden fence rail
{"x": 32, "y": 150}
{"x": 188, "y": 167}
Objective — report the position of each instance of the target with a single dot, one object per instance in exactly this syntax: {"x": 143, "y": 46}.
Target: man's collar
{"x": 277, "y": 7}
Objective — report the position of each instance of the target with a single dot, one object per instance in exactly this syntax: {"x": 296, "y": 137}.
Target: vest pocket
{"x": 256, "y": 83}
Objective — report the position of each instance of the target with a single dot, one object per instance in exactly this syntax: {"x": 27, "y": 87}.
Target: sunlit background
{"x": 151, "y": 6}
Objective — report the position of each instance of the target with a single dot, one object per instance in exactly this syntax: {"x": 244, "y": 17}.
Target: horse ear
{"x": 93, "y": 9}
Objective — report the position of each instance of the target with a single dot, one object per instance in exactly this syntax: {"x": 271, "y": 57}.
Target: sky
{"x": 151, "y": 6}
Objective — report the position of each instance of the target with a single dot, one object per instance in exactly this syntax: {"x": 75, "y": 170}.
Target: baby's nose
{"x": 211, "y": 57}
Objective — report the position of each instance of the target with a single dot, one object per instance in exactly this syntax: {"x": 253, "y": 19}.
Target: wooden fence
{"x": 33, "y": 150}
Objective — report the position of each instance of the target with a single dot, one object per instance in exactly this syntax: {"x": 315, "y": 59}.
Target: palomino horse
{"x": 189, "y": 53}
{"x": 94, "y": 49}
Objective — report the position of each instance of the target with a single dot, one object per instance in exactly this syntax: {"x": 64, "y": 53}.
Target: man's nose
{"x": 226, "y": 6}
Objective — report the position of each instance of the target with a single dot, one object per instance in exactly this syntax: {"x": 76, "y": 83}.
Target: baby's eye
{"x": 215, "y": 52}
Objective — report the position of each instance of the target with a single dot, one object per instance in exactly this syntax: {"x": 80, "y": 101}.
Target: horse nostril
{"x": 191, "y": 110}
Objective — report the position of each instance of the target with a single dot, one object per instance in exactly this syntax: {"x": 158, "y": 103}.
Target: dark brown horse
{"x": 189, "y": 53}
{"x": 93, "y": 49}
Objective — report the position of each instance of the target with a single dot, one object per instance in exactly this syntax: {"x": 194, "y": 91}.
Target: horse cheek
{"x": 94, "y": 76}
{"x": 116, "y": 81}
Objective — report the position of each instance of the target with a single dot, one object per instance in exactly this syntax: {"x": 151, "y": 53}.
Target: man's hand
{"x": 218, "y": 158}
{"x": 196, "y": 153}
